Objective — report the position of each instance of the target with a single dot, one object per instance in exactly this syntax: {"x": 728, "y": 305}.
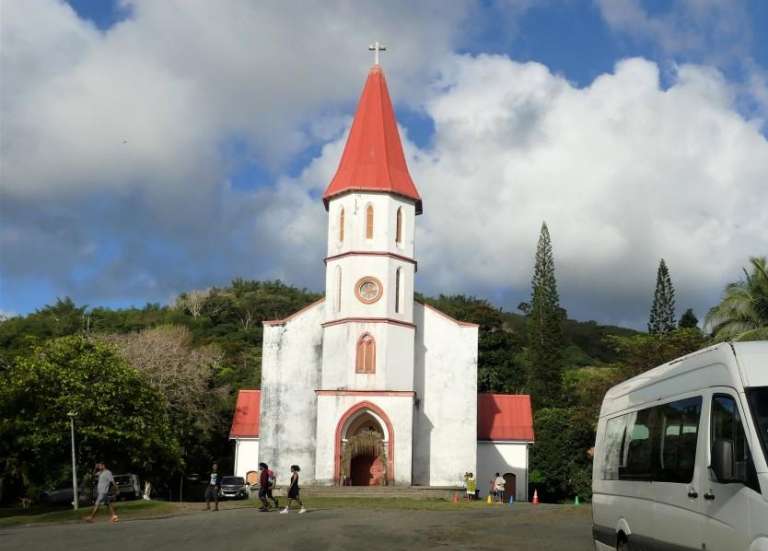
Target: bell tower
{"x": 372, "y": 204}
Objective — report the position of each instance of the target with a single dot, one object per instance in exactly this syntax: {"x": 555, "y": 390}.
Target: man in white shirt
{"x": 499, "y": 483}
{"x": 103, "y": 491}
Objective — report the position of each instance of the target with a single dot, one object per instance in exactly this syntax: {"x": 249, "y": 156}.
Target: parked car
{"x": 681, "y": 460}
{"x": 128, "y": 486}
{"x": 233, "y": 487}
{"x": 64, "y": 495}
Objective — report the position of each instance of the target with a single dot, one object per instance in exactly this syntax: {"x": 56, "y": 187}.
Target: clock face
{"x": 368, "y": 290}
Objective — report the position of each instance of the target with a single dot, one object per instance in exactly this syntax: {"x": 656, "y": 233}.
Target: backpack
{"x": 270, "y": 479}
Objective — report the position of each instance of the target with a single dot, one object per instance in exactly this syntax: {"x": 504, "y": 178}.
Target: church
{"x": 368, "y": 386}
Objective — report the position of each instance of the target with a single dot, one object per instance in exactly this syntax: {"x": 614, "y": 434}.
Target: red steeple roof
{"x": 373, "y": 158}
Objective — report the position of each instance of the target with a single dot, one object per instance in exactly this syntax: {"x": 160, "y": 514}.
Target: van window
{"x": 678, "y": 429}
{"x": 614, "y": 439}
{"x": 638, "y": 447}
{"x": 726, "y": 424}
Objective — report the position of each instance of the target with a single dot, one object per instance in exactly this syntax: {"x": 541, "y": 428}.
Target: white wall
{"x": 330, "y": 410}
{"x": 384, "y": 223}
{"x": 290, "y": 374}
{"x": 394, "y": 357}
{"x": 502, "y": 457}
{"x": 246, "y": 455}
{"x": 445, "y": 380}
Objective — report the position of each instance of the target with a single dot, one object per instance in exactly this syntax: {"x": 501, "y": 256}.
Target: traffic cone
{"x": 489, "y": 501}
{"x": 576, "y": 501}
{"x": 535, "y": 497}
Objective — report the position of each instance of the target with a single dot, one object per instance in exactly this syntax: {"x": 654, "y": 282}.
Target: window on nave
{"x": 366, "y": 354}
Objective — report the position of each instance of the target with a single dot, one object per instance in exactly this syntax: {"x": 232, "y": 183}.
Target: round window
{"x": 368, "y": 290}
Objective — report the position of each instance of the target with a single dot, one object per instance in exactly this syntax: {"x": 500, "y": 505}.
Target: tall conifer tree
{"x": 662, "y": 319}
{"x": 545, "y": 334}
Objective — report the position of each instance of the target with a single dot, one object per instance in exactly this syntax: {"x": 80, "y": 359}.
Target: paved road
{"x": 521, "y": 528}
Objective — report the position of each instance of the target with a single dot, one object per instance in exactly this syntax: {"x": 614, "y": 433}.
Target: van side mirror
{"x": 723, "y": 462}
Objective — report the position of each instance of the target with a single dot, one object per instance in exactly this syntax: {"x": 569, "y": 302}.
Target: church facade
{"x": 368, "y": 386}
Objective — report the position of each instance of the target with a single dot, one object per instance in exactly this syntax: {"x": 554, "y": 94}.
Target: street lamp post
{"x": 76, "y": 499}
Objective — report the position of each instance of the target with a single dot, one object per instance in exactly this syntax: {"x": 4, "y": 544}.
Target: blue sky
{"x": 158, "y": 147}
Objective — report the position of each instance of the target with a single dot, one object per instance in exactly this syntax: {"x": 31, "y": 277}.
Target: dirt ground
{"x": 520, "y": 527}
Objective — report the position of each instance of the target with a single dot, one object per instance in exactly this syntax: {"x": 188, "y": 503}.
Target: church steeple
{"x": 373, "y": 159}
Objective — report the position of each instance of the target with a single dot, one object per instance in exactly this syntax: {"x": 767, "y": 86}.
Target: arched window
{"x": 341, "y": 225}
{"x": 369, "y": 222}
{"x": 366, "y": 354}
{"x": 398, "y": 284}
{"x": 399, "y": 226}
{"x": 337, "y": 304}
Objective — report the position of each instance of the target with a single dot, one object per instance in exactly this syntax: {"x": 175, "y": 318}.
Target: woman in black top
{"x": 293, "y": 491}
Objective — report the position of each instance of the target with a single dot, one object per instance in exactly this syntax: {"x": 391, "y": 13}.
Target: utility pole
{"x": 76, "y": 498}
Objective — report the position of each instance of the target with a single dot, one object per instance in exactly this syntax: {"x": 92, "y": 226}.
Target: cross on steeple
{"x": 377, "y": 47}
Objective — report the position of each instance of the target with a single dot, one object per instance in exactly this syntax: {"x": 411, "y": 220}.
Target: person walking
{"x": 264, "y": 487}
{"x": 213, "y": 489}
{"x": 293, "y": 491}
{"x": 104, "y": 487}
{"x": 271, "y": 486}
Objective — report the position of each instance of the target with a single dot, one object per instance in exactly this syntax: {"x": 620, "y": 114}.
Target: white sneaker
{"x": 285, "y": 511}
{"x": 302, "y": 510}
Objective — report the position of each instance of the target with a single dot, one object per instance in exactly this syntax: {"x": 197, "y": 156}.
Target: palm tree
{"x": 743, "y": 312}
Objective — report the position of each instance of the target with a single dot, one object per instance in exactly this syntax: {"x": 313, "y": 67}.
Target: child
{"x": 293, "y": 491}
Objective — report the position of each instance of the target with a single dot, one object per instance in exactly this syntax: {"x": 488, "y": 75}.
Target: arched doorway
{"x": 364, "y": 447}
{"x": 510, "y": 486}
{"x": 364, "y": 452}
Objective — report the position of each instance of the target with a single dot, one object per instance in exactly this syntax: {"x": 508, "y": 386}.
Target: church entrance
{"x": 366, "y": 470}
{"x": 364, "y": 449}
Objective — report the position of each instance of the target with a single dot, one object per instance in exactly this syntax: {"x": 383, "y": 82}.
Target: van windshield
{"x": 758, "y": 403}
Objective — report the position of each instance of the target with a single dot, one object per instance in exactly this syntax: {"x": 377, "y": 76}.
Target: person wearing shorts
{"x": 213, "y": 488}
{"x": 104, "y": 487}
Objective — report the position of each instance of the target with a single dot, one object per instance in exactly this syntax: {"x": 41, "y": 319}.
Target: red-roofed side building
{"x": 245, "y": 432}
{"x": 504, "y": 437}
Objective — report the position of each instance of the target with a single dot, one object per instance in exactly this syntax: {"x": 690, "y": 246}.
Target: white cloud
{"x": 115, "y": 159}
{"x": 623, "y": 171}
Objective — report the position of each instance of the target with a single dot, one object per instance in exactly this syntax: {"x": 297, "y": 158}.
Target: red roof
{"x": 373, "y": 158}
{"x": 245, "y": 422}
{"x": 504, "y": 417}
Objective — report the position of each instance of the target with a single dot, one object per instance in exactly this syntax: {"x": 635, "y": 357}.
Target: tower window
{"x": 366, "y": 354}
{"x": 398, "y": 276}
{"x": 369, "y": 222}
{"x": 341, "y": 225}
{"x": 399, "y": 226}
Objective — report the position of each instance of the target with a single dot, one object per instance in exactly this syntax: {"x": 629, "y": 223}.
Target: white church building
{"x": 368, "y": 386}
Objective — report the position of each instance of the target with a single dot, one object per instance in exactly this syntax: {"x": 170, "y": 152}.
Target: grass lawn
{"x": 126, "y": 510}
{"x": 133, "y": 510}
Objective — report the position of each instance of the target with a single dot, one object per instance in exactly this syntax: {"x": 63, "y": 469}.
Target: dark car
{"x": 128, "y": 486}
{"x": 63, "y": 495}
{"x": 233, "y": 487}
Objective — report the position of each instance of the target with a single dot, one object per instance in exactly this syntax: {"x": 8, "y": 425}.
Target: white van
{"x": 681, "y": 453}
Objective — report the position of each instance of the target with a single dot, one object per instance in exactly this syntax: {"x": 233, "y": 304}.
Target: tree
{"x": 743, "y": 311}
{"x": 560, "y": 464}
{"x": 642, "y": 352}
{"x": 120, "y": 418}
{"x": 662, "y": 319}
{"x": 545, "y": 334}
{"x": 185, "y": 375}
{"x": 688, "y": 320}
